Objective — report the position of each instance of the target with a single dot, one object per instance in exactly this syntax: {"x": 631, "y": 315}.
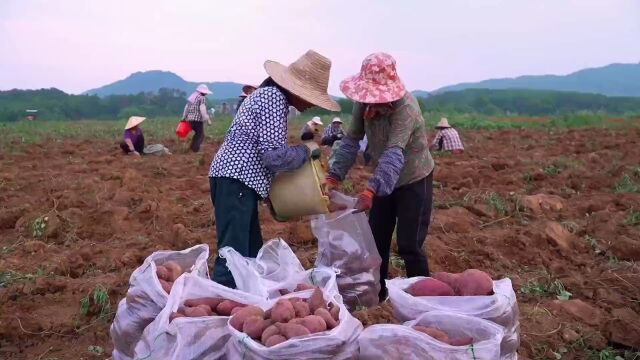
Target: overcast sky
{"x": 75, "y": 45}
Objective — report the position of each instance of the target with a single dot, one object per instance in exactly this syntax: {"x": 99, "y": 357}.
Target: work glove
{"x": 314, "y": 150}
{"x": 365, "y": 201}
{"x": 330, "y": 184}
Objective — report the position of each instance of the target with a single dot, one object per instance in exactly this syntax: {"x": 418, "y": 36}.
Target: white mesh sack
{"x": 190, "y": 337}
{"x": 146, "y": 298}
{"x": 403, "y": 342}
{"x": 339, "y": 343}
{"x": 500, "y": 308}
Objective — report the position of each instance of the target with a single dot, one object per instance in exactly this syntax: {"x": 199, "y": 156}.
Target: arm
{"x": 346, "y": 155}
{"x": 203, "y": 112}
{"x": 184, "y": 112}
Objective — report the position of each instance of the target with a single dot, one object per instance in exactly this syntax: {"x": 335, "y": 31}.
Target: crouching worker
{"x": 447, "y": 138}
{"x": 255, "y": 148}
{"x": 399, "y": 193}
{"x": 312, "y": 129}
{"x": 133, "y": 143}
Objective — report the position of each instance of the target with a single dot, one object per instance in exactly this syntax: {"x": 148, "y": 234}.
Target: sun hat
{"x": 134, "y": 121}
{"x": 444, "y": 123}
{"x": 377, "y": 82}
{"x": 307, "y": 78}
{"x": 336, "y": 120}
{"x": 247, "y": 88}
{"x": 316, "y": 120}
{"x": 204, "y": 89}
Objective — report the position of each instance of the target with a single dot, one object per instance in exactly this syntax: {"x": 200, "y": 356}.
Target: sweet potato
{"x": 275, "y": 340}
{"x": 284, "y": 291}
{"x": 316, "y": 301}
{"x": 163, "y": 273}
{"x": 314, "y": 323}
{"x": 450, "y": 279}
{"x": 197, "y": 311}
{"x": 303, "y": 286}
{"x": 166, "y": 286}
{"x": 175, "y": 315}
{"x": 174, "y": 269}
{"x": 326, "y": 316}
{"x": 237, "y": 320}
{"x": 474, "y": 282}
{"x": 301, "y": 309}
{"x": 462, "y": 341}
{"x": 292, "y": 330}
{"x": 226, "y": 307}
{"x": 205, "y": 308}
{"x": 335, "y": 312}
{"x": 212, "y": 302}
{"x": 269, "y": 332}
{"x": 254, "y": 326}
{"x": 430, "y": 287}
{"x": 282, "y": 311}
{"x": 295, "y": 299}
{"x": 433, "y": 332}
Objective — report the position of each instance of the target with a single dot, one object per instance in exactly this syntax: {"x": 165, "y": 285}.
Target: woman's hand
{"x": 135, "y": 153}
{"x": 365, "y": 201}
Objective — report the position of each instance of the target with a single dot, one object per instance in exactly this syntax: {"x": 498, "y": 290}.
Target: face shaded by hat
{"x": 377, "y": 82}
{"x": 203, "y": 89}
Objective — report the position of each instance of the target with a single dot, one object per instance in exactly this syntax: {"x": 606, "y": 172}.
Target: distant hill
{"x": 152, "y": 81}
{"x": 610, "y": 80}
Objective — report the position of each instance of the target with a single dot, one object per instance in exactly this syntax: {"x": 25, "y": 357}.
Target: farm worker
{"x": 312, "y": 128}
{"x": 333, "y": 137}
{"x": 255, "y": 148}
{"x": 447, "y": 138}
{"x": 133, "y": 143}
{"x": 195, "y": 112}
{"x": 246, "y": 91}
{"x": 399, "y": 193}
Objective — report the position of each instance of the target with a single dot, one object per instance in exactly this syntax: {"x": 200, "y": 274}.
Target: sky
{"x": 75, "y": 45}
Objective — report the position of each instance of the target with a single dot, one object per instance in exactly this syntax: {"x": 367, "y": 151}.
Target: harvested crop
{"x": 197, "y": 311}
{"x": 326, "y": 316}
{"x": 474, "y": 282}
{"x": 212, "y": 302}
{"x": 434, "y": 333}
{"x": 163, "y": 273}
{"x": 226, "y": 307}
{"x": 314, "y": 323}
{"x": 450, "y": 279}
{"x": 463, "y": 341}
{"x": 301, "y": 309}
{"x": 282, "y": 311}
{"x": 335, "y": 312}
{"x": 254, "y": 326}
{"x": 166, "y": 286}
{"x": 175, "y": 315}
{"x": 269, "y": 332}
{"x": 275, "y": 340}
{"x": 316, "y": 301}
{"x": 174, "y": 269}
{"x": 303, "y": 286}
{"x": 292, "y": 330}
{"x": 430, "y": 287}
{"x": 243, "y": 313}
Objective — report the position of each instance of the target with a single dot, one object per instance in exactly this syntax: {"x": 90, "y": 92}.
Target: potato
{"x": 212, "y": 302}
{"x": 226, "y": 307}
{"x": 326, "y": 316}
{"x": 163, "y": 273}
{"x": 316, "y": 301}
{"x": 433, "y": 332}
{"x": 295, "y": 299}
{"x": 166, "y": 286}
{"x": 301, "y": 309}
{"x": 175, "y": 315}
{"x": 335, "y": 312}
{"x": 174, "y": 269}
{"x": 254, "y": 326}
{"x": 205, "y": 308}
{"x": 462, "y": 341}
{"x": 430, "y": 287}
{"x": 303, "y": 286}
{"x": 284, "y": 291}
{"x": 282, "y": 311}
{"x": 269, "y": 332}
{"x": 314, "y": 323}
{"x": 275, "y": 340}
{"x": 474, "y": 282}
{"x": 237, "y": 320}
{"x": 195, "y": 311}
{"x": 450, "y": 279}
{"x": 292, "y": 330}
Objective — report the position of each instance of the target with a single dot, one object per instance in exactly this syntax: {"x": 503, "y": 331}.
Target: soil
{"x": 106, "y": 212}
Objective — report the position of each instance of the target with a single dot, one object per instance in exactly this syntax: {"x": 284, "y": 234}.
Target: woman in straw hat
{"x": 400, "y": 190}
{"x": 133, "y": 143}
{"x": 246, "y": 91}
{"x": 195, "y": 112}
{"x": 255, "y": 148}
{"x": 447, "y": 138}
{"x": 312, "y": 129}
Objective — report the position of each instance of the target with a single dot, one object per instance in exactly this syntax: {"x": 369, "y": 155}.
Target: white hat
{"x": 316, "y": 120}
{"x": 202, "y": 88}
{"x": 134, "y": 121}
{"x": 336, "y": 120}
{"x": 444, "y": 123}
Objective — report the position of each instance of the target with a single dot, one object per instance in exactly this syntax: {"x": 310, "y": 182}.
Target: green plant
{"x": 593, "y": 242}
{"x": 552, "y": 170}
{"x": 98, "y": 301}
{"x": 94, "y": 349}
{"x": 633, "y": 218}
{"x": 570, "y": 226}
{"x": 39, "y": 227}
{"x": 527, "y": 176}
{"x": 627, "y": 185}
{"x": 553, "y": 288}
{"x": 347, "y": 186}
{"x": 496, "y": 201}
{"x": 8, "y": 278}
{"x": 397, "y": 262}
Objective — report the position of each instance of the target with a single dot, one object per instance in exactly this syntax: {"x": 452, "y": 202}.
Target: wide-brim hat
{"x": 376, "y": 83}
{"x": 307, "y": 78}
{"x": 247, "y": 88}
{"x": 204, "y": 89}
{"x": 134, "y": 121}
{"x": 443, "y": 124}
{"x": 317, "y": 120}
{"x": 336, "y": 120}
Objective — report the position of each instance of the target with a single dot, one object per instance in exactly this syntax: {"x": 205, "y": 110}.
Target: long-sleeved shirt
{"x": 331, "y": 135}
{"x": 397, "y": 139}
{"x": 447, "y": 140}
{"x": 255, "y": 147}
{"x": 196, "y": 108}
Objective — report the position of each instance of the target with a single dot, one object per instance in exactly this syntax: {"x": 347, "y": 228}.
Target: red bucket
{"x": 183, "y": 129}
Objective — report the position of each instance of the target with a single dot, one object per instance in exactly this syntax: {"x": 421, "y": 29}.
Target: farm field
{"x": 556, "y": 209}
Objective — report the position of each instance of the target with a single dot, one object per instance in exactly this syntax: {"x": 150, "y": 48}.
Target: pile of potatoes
{"x": 207, "y": 306}
{"x": 471, "y": 282}
{"x": 167, "y": 273}
{"x": 299, "y": 287}
{"x": 287, "y": 319}
{"x": 443, "y": 336}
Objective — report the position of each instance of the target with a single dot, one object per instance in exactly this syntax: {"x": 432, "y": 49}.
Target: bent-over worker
{"x": 195, "y": 112}
{"x": 133, "y": 142}
{"x": 447, "y": 138}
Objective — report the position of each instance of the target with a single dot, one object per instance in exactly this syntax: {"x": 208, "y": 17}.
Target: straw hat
{"x": 377, "y": 82}
{"x": 316, "y": 120}
{"x": 443, "y": 124}
{"x": 307, "y": 78}
{"x": 247, "y": 88}
{"x": 134, "y": 121}
{"x": 204, "y": 89}
{"x": 336, "y": 120}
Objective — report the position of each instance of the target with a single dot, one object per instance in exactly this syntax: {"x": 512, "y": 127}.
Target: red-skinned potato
{"x": 474, "y": 282}
{"x": 326, "y": 316}
{"x": 433, "y": 332}
{"x": 195, "y": 311}
{"x": 303, "y": 286}
{"x": 301, "y": 308}
{"x": 292, "y": 330}
{"x": 462, "y": 341}
{"x": 226, "y": 307}
{"x": 282, "y": 311}
{"x": 269, "y": 332}
{"x": 174, "y": 269}
{"x": 212, "y": 302}
{"x": 316, "y": 301}
{"x": 166, "y": 286}
{"x": 205, "y": 308}
{"x": 335, "y": 312}
{"x": 237, "y": 320}
{"x": 314, "y": 323}
{"x": 275, "y": 340}
{"x": 163, "y": 273}
{"x": 254, "y": 326}
{"x": 430, "y": 287}
{"x": 175, "y": 315}
{"x": 450, "y": 279}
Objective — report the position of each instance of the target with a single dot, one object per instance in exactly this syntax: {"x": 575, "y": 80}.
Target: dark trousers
{"x": 409, "y": 207}
{"x": 237, "y": 223}
{"x": 198, "y": 137}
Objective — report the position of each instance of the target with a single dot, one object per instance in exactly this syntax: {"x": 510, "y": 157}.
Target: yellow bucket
{"x": 299, "y": 193}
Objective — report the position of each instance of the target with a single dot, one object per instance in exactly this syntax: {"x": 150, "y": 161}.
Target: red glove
{"x": 365, "y": 201}
{"x": 331, "y": 183}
